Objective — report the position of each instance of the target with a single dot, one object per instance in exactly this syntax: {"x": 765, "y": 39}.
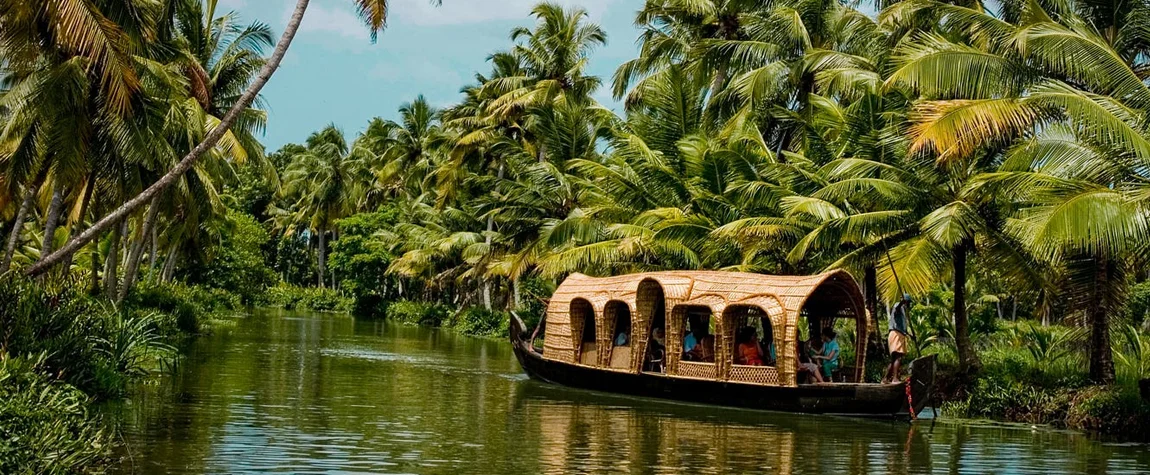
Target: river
{"x": 285, "y": 392}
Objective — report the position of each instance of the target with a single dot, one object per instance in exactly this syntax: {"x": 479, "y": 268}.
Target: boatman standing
{"x": 896, "y": 338}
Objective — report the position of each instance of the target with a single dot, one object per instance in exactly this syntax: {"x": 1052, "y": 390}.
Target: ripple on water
{"x": 329, "y": 395}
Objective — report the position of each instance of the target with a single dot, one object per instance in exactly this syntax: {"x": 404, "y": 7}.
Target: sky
{"x": 333, "y": 74}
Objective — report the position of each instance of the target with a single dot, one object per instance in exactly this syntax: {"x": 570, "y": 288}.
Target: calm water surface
{"x": 298, "y": 393}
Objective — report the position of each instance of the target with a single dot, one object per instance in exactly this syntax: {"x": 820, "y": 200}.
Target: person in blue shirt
{"x": 829, "y": 357}
{"x": 689, "y": 342}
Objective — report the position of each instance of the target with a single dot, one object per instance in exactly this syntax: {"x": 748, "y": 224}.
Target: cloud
{"x": 230, "y": 5}
{"x": 329, "y": 18}
{"x": 461, "y": 12}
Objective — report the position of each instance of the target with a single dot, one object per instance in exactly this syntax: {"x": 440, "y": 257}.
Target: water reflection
{"x": 289, "y": 393}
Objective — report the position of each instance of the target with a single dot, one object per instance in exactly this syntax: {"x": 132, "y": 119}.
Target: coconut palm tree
{"x": 94, "y": 40}
{"x": 1043, "y": 76}
{"x": 326, "y": 183}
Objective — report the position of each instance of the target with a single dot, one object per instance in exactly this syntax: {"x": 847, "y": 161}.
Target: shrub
{"x": 478, "y": 321}
{"x": 1110, "y": 410}
{"x": 45, "y": 425}
{"x": 418, "y": 313}
{"x": 361, "y": 259}
{"x": 1138, "y": 303}
{"x": 89, "y": 345}
{"x": 237, "y": 263}
{"x": 188, "y": 305}
{"x": 308, "y": 298}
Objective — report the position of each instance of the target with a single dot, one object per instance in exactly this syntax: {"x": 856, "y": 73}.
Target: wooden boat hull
{"x": 877, "y": 400}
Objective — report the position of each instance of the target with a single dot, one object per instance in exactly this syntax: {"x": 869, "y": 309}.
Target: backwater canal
{"x": 291, "y": 392}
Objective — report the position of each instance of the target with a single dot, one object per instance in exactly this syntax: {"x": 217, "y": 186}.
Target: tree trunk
{"x": 170, "y": 262}
{"x": 717, "y": 84}
{"x": 53, "y": 219}
{"x": 111, "y": 265}
{"x": 17, "y": 228}
{"x": 968, "y": 360}
{"x": 875, "y": 346}
{"x": 95, "y": 257}
{"x": 1098, "y": 317}
{"x": 138, "y": 249}
{"x": 491, "y": 228}
{"x": 152, "y": 254}
{"x": 515, "y": 298}
{"x": 321, "y": 256}
{"x": 186, "y": 163}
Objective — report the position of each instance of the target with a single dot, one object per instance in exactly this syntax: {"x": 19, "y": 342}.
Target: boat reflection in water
{"x": 597, "y": 432}
{"x": 591, "y": 432}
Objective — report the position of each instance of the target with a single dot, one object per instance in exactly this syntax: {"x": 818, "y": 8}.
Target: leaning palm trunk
{"x": 14, "y": 237}
{"x": 967, "y": 358}
{"x": 138, "y": 249}
{"x": 84, "y": 202}
{"x": 53, "y": 219}
{"x": 48, "y": 261}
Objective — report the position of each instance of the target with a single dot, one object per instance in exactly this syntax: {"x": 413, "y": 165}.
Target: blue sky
{"x": 334, "y": 74}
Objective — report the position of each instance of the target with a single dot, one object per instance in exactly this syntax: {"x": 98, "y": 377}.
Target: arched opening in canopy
{"x": 750, "y": 341}
{"x": 693, "y": 341}
{"x": 583, "y": 326}
{"x": 652, "y": 308}
{"x": 617, "y": 314}
{"x": 836, "y": 298}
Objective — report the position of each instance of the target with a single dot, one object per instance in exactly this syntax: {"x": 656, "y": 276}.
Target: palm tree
{"x": 406, "y": 151}
{"x": 1034, "y": 75}
{"x": 218, "y": 57}
{"x": 704, "y": 37}
{"x": 326, "y": 183}
{"x": 93, "y": 40}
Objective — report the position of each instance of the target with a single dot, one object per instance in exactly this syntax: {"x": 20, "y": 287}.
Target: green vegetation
{"x": 45, "y": 425}
{"x": 989, "y": 161}
{"x": 61, "y": 350}
{"x": 307, "y": 298}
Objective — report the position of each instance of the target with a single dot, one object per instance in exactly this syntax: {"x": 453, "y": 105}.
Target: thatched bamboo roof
{"x": 581, "y": 298}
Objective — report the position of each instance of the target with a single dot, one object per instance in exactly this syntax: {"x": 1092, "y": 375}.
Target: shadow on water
{"x": 293, "y": 393}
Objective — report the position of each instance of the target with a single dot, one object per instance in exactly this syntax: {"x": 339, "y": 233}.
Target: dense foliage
{"x": 61, "y": 350}
{"x": 990, "y": 160}
{"x": 937, "y": 149}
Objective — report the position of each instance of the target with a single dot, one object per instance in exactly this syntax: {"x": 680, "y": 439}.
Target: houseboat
{"x": 626, "y": 334}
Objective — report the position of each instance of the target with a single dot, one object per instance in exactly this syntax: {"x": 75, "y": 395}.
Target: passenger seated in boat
{"x": 706, "y": 349}
{"x": 656, "y": 350}
{"x": 621, "y": 338}
{"x": 807, "y": 369}
{"x": 748, "y": 352}
{"x": 767, "y": 344}
{"x": 829, "y": 356}
{"x": 690, "y": 342}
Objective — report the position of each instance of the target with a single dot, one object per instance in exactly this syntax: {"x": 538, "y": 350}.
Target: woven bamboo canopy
{"x": 731, "y": 298}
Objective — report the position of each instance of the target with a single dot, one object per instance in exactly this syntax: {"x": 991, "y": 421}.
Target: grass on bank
{"x": 62, "y": 350}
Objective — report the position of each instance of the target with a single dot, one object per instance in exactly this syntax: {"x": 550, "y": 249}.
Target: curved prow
{"x": 921, "y": 383}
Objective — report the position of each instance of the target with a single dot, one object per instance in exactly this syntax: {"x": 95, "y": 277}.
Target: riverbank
{"x": 1036, "y": 375}
{"x": 62, "y": 351}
